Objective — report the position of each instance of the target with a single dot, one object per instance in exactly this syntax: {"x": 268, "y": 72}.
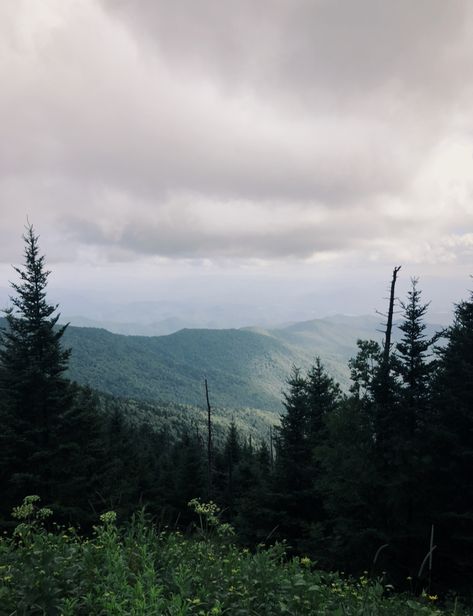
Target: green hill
{"x": 245, "y": 367}
{"x": 174, "y": 418}
{"x": 333, "y": 339}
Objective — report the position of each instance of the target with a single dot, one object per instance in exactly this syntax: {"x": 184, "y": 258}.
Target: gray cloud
{"x": 268, "y": 130}
{"x": 177, "y": 231}
{"x": 310, "y": 46}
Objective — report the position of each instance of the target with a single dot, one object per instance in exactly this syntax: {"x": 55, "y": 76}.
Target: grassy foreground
{"x": 140, "y": 571}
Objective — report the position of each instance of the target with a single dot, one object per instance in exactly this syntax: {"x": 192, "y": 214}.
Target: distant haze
{"x": 228, "y": 164}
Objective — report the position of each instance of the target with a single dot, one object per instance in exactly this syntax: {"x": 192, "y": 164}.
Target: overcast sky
{"x": 200, "y": 147}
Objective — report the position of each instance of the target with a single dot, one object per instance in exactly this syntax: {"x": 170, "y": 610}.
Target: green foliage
{"x": 382, "y": 466}
{"x": 412, "y": 361}
{"x": 309, "y": 402}
{"x": 32, "y": 383}
{"x": 174, "y": 419}
{"x": 363, "y": 369}
{"x": 347, "y": 484}
{"x": 137, "y": 570}
{"x": 451, "y": 443}
{"x": 244, "y": 368}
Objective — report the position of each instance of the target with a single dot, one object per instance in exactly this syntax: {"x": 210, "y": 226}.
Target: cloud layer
{"x": 271, "y": 130}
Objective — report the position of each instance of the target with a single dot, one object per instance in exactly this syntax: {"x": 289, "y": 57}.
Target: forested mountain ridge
{"x": 175, "y": 419}
{"x": 245, "y": 367}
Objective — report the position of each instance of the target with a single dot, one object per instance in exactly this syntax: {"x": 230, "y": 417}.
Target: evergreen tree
{"x": 323, "y": 397}
{"x": 232, "y": 452}
{"x": 33, "y": 387}
{"x": 412, "y": 364}
{"x": 188, "y": 474}
{"x": 451, "y": 445}
{"x": 78, "y": 459}
{"x": 308, "y": 403}
{"x": 118, "y": 478}
{"x": 406, "y": 484}
{"x": 363, "y": 370}
{"x": 293, "y": 454}
{"x": 255, "y": 520}
{"x": 348, "y": 483}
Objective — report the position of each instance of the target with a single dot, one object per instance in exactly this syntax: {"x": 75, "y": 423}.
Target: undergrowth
{"x": 137, "y": 570}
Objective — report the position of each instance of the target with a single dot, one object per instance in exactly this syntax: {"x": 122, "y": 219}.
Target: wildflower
{"x": 109, "y": 517}
{"x": 305, "y": 561}
{"x": 44, "y": 513}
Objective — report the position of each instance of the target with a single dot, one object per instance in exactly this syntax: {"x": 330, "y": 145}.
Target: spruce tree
{"x": 79, "y": 459}
{"x": 406, "y": 484}
{"x": 347, "y": 483}
{"x": 363, "y": 370}
{"x": 451, "y": 435}
{"x": 33, "y": 387}
{"x": 411, "y": 362}
{"x": 292, "y": 447}
{"x": 232, "y": 452}
{"x": 309, "y": 402}
{"x": 323, "y": 396}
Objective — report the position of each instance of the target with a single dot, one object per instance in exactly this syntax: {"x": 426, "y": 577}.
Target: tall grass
{"x": 138, "y": 570}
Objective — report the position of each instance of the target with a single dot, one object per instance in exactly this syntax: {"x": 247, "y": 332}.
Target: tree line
{"x": 381, "y": 473}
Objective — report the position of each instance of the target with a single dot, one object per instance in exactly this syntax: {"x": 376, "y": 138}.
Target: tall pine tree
{"x": 32, "y": 366}
{"x": 406, "y": 480}
{"x": 309, "y": 402}
{"x": 452, "y": 448}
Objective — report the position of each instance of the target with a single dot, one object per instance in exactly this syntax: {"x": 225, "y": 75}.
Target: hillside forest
{"x": 376, "y": 476}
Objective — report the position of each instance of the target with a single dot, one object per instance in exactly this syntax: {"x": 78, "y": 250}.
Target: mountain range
{"x": 245, "y": 368}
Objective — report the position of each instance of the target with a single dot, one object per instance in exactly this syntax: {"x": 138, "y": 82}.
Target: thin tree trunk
{"x": 389, "y": 324}
{"x": 209, "y": 442}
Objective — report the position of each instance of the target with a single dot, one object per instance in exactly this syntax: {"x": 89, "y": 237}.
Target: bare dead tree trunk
{"x": 389, "y": 324}
{"x": 209, "y": 442}
{"x": 383, "y": 394}
{"x": 271, "y": 455}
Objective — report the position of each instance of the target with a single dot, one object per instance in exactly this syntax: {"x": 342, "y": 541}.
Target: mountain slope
{"x": 333, "y": 339}
{"x": 243, "y": 368}
{"x": 174, "y": 419}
